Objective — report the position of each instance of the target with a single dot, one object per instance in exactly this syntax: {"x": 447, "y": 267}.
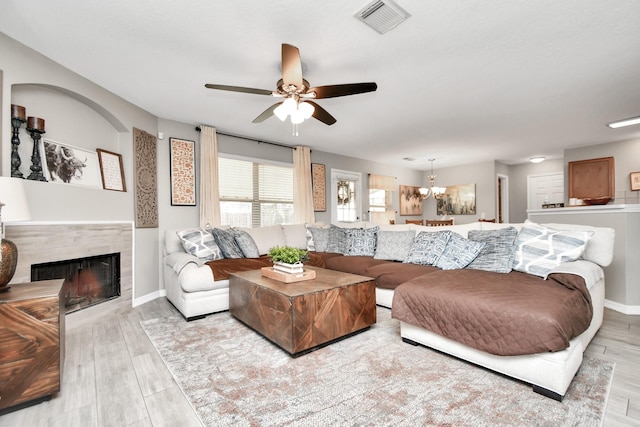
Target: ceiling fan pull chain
{"x": 295, "y": 129}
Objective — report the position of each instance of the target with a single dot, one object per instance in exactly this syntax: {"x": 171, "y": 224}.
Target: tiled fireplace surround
{"x": 40, "y": 242}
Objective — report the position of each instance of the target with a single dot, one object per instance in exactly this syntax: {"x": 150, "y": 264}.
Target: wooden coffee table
{"x": 303, "y": 316}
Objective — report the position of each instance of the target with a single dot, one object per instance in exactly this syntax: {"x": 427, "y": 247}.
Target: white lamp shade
{"x": 13, "y": 197}
{"x": 297, "y": 117}
{"x": 306, "y": 109}
{"x": 281, "y": 112}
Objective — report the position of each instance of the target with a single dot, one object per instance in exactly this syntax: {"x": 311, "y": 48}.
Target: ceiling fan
{"x": 297, "y": 93}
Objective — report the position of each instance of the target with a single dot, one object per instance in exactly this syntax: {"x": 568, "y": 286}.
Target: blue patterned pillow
{"x": 361, "y": 241}
{"x": 497, "y": 255}
{"x": 540, "y": 249}
{"x": 458, "y": 253}
{"x": 337, "y": 240}
{"x": 317, "y": 238}
{"x": 200, "y": 242}
{"x": 394, "y": 245}
{"x": 227, "y": 243}
{"x": 427, "y": 247}
{"x": 246, "y": 243}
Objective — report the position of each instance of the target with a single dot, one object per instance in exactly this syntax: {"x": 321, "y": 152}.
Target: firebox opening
{"x": 87, "y": 281}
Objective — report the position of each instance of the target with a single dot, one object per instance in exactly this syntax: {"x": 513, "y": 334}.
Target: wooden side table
{"x": 32, "y": 337}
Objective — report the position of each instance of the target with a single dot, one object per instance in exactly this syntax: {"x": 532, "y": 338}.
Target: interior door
{"x": 545, "y": 188}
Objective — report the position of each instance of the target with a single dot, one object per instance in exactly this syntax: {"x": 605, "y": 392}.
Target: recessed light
{"x": 537, "y": 159}
{"x": 625, "y": 122}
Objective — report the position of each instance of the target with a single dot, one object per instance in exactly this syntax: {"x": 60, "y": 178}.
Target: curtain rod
{"x": 251, "y": 139}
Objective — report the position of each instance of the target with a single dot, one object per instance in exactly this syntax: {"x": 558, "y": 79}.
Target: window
{"x": 255, "y": 194}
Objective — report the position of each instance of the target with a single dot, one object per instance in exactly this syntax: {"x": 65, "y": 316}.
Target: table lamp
{"x": 13, "y": 208}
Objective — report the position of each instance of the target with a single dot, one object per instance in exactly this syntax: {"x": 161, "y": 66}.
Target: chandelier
{"x": 437, "y": 192}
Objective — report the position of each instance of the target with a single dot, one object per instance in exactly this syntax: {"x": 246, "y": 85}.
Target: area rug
{"x": 233, "y": 376}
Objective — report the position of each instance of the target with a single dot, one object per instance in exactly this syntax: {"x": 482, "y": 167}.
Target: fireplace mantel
{"x": 48, "y": 241}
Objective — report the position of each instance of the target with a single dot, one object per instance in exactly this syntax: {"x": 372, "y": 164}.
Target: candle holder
{"x": 35, "y": 125}
{"x": 18, "y": 117}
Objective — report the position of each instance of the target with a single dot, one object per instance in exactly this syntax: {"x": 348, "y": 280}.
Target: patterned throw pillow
{"x": 200, "y": 242}
{"x": 337, "y": 240}
{"x": 361, "y": 241}
{"x": 497, "y": 255}
{"x": 458, "y": 253}
{"x": 394, "y": 245}
{"x": 540, "y": 249}
{"x": 427, "y": 247}
{"x": 317, "y": 238}
{"x": 227, "y": 243}
{"x": 245, "y": 242}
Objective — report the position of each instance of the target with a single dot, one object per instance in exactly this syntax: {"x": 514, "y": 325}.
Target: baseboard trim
{"x": 622, "y": 308}
{"x": 149, "y": 297}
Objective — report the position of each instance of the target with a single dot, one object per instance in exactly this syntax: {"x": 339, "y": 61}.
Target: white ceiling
{"x": 459, "y": 81}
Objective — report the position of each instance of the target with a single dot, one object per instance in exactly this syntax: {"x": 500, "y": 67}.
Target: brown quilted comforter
{"x": 502, "y": 314}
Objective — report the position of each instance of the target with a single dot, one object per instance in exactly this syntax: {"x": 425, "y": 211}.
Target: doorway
{"x": 545, "y": 188}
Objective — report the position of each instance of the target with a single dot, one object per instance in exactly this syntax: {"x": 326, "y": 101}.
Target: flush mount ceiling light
{"x": 625, "y": 122}
{"x": 437, "y": 192}
{"x": 537, "y": 159}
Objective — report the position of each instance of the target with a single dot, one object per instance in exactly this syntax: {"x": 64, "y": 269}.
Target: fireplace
{"x": 87, "y": 281}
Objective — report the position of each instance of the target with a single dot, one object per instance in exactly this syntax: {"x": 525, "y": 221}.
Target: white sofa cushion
{"x": 600, "y": 248}
{"x": 295, "y": 235}
{"x": 266, "y": 237}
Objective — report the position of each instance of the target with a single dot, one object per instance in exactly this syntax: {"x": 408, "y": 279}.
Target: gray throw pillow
{"x": 427, "y": 247}
{"x": 361, "y": 241}
{"x": 200, "y": 242}
{"x": 458, "y": 253}
{"x": 246, "y": 243}
{"x": 497, "y": 254}
{"x": 394, "y": 245}
{"x": 317, "y": 238}
{"x": 227, "y": 243}
{"x": 337, "y": 240}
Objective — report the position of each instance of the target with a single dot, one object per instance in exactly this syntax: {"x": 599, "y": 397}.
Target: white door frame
{"x": 337, "y": 174}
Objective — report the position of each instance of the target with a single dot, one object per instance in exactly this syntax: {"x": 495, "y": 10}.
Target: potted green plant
{"x": 287, "y": 258}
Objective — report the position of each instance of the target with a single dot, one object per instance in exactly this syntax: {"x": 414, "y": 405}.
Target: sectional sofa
{"x": 424, "y": 274}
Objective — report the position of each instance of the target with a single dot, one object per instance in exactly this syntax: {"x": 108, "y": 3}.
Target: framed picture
{"x": 66, "y": 164}
{"x": 458, "y": 200}
{"x": 319, "y": 187}
{"x": 635, "y": 181}
{"x": 112, "y": 170}
{"x": 410, "y": 200}
{"x": 183, "y": 172}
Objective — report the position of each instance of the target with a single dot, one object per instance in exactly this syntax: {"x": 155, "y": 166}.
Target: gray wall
{"x": 626, "y": 156}
{"x": 80, "y": 113}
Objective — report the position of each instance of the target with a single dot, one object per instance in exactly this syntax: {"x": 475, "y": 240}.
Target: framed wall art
{"x": 410, "y": 200}
{"x": 112, "y": 170}
{"x": 67, "y": 164}
{"x": 145, "y": 153}
{"x": 319, "y": 187}
{"x": 635, "y": 181}
{"x": 458, "y": 200}
{"x": 183, "y": 172}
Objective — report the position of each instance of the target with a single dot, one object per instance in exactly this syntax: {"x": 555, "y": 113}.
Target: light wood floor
{"x": 114, "y": 377}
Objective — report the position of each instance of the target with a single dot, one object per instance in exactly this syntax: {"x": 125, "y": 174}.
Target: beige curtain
{"x": 209, "y": 191}
{"x": 388, "y": 184}
{"x": 302, "y": 188}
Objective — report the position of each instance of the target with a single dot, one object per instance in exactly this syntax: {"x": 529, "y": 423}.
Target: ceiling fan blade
{"x": 322, "y": 114}
{"x": 333, "y": 91}
{"x": 291, "y": 65}
{"x": 239, "y": 89}
{"x": 266, "y": 113}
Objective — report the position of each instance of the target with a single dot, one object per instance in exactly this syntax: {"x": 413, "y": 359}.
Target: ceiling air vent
{"x": 382, "y": 16}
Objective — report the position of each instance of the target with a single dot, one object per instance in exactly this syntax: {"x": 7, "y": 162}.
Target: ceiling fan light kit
{"x": 297, "y": 93}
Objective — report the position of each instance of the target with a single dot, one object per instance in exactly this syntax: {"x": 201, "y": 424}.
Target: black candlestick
{"x": 36, "y": 127}
{"x": 16, "y": 122}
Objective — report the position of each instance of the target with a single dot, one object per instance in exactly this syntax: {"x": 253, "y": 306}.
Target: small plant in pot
{"x": 287, "y": 258}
